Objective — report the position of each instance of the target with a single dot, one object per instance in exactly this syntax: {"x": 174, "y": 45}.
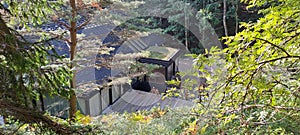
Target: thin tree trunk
{"x": 186, "y": 27}
{"x": 42, "y": 101}
{"x": 72, "y": 100}
{"x": 224, "y": 17}
{"x": 236, "y": 17}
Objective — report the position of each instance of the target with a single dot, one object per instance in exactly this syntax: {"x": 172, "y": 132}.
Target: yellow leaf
{"x": 137, "y": 117}
{"x": 203, "y": 129}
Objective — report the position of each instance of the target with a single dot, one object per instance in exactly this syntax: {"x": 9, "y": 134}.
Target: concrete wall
{"x": 94, "y": 102}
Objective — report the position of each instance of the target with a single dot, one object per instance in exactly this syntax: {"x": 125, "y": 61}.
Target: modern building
{"x": 95, "y": 102}
{"x": 164, "y": 52}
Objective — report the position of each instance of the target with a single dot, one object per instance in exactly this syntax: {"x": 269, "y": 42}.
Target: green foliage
{"x": 254, "y": 82}
{"x": 81, "y": 126}
{"x": 26, "y": 68}
{"x": 16, "y": 127}
{"x": 158, "y": 52}
{"x": 30, "y": 11}
{"x": 29, "y": 69}
{"x": 156, "y": 121}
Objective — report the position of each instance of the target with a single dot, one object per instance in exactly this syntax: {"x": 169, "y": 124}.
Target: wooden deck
{"x": 135, "y": 100}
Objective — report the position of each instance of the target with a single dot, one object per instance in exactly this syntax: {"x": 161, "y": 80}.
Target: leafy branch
{"x": 280, "y": 58}
{"x": 245, "y": 107}
{"x": 274, "y": 45}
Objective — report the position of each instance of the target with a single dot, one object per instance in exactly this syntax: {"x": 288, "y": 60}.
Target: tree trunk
{"x": 30, "y": 116}
{"x": 186, "y": 26}
{"x": 72, "y": 30}
{"x": 236, "y": 17}
{"x": 224, "y": 17}
{"x": 3, "y": 26}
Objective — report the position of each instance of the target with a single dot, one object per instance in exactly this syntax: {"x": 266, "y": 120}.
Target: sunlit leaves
{"x": 30, "y": 11}
{"x": 256, "y": 74}
{"x": 154, "y": 121}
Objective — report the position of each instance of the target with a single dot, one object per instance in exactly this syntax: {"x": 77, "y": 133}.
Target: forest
{"x": 241, "y": 76}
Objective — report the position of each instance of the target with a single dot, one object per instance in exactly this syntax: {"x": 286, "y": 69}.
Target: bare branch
{"x": 62, "y": 23}
{"x": 83, "y": 24}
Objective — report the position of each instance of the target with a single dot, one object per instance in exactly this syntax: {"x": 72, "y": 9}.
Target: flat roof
{"x": 155, "y": 61}
{"x": 134, "y": 100}
{"x": 162, "y": 53}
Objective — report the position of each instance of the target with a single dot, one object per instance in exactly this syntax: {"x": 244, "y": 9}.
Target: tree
{"x": 28, "y": 68}
{"x": 224, "y": 17}
{"x": 253, "y": 84}
{"x": 255, "y": 81}
{"x": 76, "y": 11}
{"x": 73, "y": 34}
{"x": 83, "y": 9}
{"x": 27, "y": 71}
